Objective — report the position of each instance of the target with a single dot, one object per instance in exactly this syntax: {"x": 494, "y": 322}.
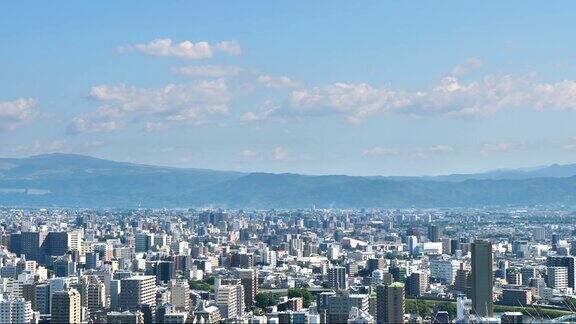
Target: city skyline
{"x": 315, "y": 88}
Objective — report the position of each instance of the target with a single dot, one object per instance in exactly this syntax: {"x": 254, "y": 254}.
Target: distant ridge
{"x": 70, "y": 180}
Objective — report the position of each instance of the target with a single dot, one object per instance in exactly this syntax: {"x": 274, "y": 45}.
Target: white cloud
{"x": 230, "y": 47}
{"x": 441, "y": 148}
{"x": 151, "y": 127}
{"x": 269, "y": 109}
{"x": 39, "y": 147}
{"x": 250, "y": 155}
{"x": 449, "y": 97}
{"x": 357, "y": 101}
{"x": 85, "y": 124}
{"x": 500, "y": 147}
{"x": 277, "y": 82}
{"x": 16, "y": 112}
{"x": 379, "y": 151}
{"x": 467, "y": 66}
{"x": 185, "y": 49}
{"x": 209, "y": 71}
{"x": 195, "y": 103}
{"x": 280, "y": 154}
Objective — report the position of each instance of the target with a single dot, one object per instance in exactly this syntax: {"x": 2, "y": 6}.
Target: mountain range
{"x": 69, "y": 180}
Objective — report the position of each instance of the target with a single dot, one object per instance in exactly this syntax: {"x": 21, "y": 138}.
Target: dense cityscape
{"x": 491, "y": 265}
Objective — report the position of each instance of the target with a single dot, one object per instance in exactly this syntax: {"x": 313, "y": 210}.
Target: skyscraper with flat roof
{"x": 482, "y": 278}
{"x": 390, "y": 303}
{"x": 66, "y": 307}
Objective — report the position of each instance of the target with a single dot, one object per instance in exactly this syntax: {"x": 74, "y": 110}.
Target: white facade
{"x": 15, "y": 310}
{"x": 444, "y": 270}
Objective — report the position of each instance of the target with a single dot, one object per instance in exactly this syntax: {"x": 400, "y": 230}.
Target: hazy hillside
{"x": 73, "y": 180}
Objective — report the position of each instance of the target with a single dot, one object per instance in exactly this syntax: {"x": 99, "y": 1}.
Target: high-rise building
{"x": 416, "y": 284}
{"x": 564, "y": 261}
{"x": 143, "y": 242}
{"x": 92, "y": 259}
{"x": 226, "y": 300}
{"x": 434, "y": 233}
{"x": 390, "y": 303}
{"x": 340, "y": 305}
{"x": 443, "y": 270}
{"x": 337, "y": 278}
{"x": 249, "y": 280}
{"x": 242, "y": 260}
{"x": 375, "y": 264}
{"x": 137, "y": 290}
{"x": 94, "y": 293}
{"x": 482, "y": 278}
{"x": 180, "y": 294}
{"x": 42, "y": 298}
{"x": 32, "y": 245}
{"x": 557, "y": 277}
{"x": 513, "y": 276}
{"x": 462, "y": 280}
{"x": 15, "y": 310}
{"x": 66, "y": 307}
{"x": 527, "y": 274}
{"x": 64, "y": 266}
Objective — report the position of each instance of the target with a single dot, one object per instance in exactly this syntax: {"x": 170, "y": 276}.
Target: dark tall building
{"x": 164, "y": 271}
{"x": 375, "y": 264}
{"x": 64, "y": 267}
{"x": 390, "y": 303}
{"x": 564, "y": 261}
{"x": 454, "y": 245}
{"x": 15, "y": 244}
{"x": 482, "y": 278}
{"x": 416, "y": 284}
{"x": 32, "y": 245}
{"x": 92, "y": 260}
{"x": 242, "y": 260}
{"x": 249, "y": 280}
{"x": 434, "y": 233}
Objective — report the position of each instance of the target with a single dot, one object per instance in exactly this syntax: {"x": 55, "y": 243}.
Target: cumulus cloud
{"x": 378, "y": 151}
{"x": 280, "y": 154}
{"x": 208, "y": 71}
{"x": 268, "y": 110}
{"x": 195, "y": 103}
{"x": 185, "y": 49}
{"x": 467, "y": 66}
{"x": 16, "y": 112}
{"x": 450, "y": 97}
{"x": 230, "y": 47}
{"x": 277, "y": 82}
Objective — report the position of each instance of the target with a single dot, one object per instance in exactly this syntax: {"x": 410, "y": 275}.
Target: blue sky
{"x": 316, "y": 87}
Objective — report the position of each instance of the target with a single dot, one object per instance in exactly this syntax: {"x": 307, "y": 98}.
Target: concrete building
{"x": 136, "y": 291}
{"x": 180, "y": 294}
{"x": 557, "y": 277}
{"x": 482, "y": 278}
{"x": 66, "y": 307}
{"x": 390, "y": 303}
{"x": 249, "y": 281}
{"x": 15, "y": 310}
{"x": 337, "y": 278}
{"x": 416, "y": 284}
